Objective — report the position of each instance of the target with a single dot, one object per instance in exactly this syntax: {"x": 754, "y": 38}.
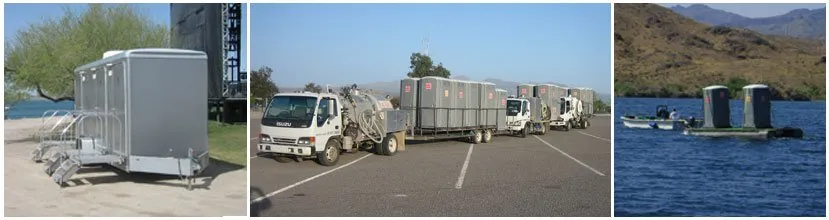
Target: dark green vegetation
{"x": 600, "y": 107}
{"x": 312, "y": 87}
{"x": 422, "y": 66}
{"x": 659, "y": 53}
{"x": 261, "y": 85}
{"x": 802, "y": 23}
{"x": 227, "y": 142}
{"x": 43, "y": 56}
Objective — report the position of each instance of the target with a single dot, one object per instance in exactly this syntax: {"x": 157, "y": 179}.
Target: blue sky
{"x": 364, "y": 43}
{"x": 20, "y": 16}
{"x": 756, "y": 10}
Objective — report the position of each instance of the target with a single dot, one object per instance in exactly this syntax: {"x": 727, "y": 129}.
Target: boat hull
{"x": 654, "y": 124}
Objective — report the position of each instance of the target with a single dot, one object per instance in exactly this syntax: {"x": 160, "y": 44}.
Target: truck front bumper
{"x": 286, "y": 149}
{"x": 558, "y": 123}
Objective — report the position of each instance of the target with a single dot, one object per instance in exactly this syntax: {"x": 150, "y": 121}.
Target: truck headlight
{"x": 309, "y": 141}
{"x": 264, "y": 138}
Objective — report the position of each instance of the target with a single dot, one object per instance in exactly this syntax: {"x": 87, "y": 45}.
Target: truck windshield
{"x": 290, "y": 111}
{"x": 513, "y": 107}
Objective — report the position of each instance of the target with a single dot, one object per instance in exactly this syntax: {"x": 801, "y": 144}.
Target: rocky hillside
{"x": 802, "y": 23}
{"x": 659, "y": 53}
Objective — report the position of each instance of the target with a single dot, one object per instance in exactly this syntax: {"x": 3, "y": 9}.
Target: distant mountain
{"x": 801, "y": 23}
{"x": 659, "y": 53}
{"x": 393, "y": 88}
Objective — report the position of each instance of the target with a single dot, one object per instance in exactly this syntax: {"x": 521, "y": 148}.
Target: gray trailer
{"x": 449, "y": 109}
{"x": 140, "y": 110}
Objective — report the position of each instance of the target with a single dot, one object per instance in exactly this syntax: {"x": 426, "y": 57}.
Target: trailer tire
{"x": 487, "y": 136}
{"x": 330, "y": 155}
{"x": 390, "y": 145}
{"x": 477, "y": 136}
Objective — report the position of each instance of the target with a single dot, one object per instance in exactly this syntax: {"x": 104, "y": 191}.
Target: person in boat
{"x": 662, "y": 112}
{"x": 674, "y": 115}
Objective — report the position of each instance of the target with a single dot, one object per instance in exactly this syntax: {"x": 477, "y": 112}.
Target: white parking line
{"x": 306, "y": 180}
{"x": 571, "y": 157}
{"x": 600, "y": 138}
{"x": 465, "y": 165}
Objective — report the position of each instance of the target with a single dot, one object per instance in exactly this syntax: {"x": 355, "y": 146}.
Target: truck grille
{"x": 284, "y": 141}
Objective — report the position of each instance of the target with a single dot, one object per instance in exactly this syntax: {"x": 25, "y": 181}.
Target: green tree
{"x": 43, "y": 56}
{"x": 422, "y": 66}
{"x": 261, "y": 85}
{"x": 11, "y": 93}
{"x": 312, "y": 87}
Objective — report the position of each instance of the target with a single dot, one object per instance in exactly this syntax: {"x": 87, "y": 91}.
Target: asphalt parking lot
{"x": 557, "y": 174}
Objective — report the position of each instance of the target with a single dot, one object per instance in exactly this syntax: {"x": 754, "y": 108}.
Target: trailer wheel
{"x": 487, "y": 136}
{"x": 389, "y": 146}
{"x": 477, "y": 136}
{"x": 330, "y": 155}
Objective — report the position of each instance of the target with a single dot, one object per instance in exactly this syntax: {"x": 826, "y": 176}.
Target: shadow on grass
{"x": 203, "y": 180}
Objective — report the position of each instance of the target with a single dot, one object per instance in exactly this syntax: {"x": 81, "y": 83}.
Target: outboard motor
{"x": 691, "y": 122}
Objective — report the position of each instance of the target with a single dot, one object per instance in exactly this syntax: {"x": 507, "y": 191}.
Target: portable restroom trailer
{"x": 525, "y": 90}
{"x": 409, "y": 99}
{"x": 434, "y": 102}
{"x": 715, "y": 107}
{"x": 501, "y": 115}
{"x": 489, "y": 103}
{"x": 140, "y": 110}
{"x": 757, "y": 108}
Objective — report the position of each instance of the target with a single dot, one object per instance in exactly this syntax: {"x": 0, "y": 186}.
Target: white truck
{"x": 572, "y": 115}
{"x": 527, "y": 115}
{"x": 323, "y": 125}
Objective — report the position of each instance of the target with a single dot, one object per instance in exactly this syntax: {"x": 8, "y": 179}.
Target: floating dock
{"x": 753, "y": 133}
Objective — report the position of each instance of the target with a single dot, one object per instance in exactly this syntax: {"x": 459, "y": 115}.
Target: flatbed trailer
{"x": 446, "y": 133}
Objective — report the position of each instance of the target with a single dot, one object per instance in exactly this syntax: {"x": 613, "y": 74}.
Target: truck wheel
{"x": 477, "y": 136}
{"x": 487, "y": 136}
{"x": 567, "y": 126}
{"x": 282, "y": 159}
{"x": 389, "y": 145}
{"x": 330, "y": 155}
{"x": 526, "y": 130}
{"x": 543, "y": 129}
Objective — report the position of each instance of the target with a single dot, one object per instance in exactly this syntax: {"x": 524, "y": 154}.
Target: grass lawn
{"x": 228, "y": 143}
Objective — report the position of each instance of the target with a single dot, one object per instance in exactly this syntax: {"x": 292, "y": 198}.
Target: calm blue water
{"x": 665, "y": 173}
{"x": 35, "y": 108}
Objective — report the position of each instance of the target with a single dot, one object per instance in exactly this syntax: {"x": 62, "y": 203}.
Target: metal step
{"x": 67, "y": 168}
{"x": 52, "y": 163}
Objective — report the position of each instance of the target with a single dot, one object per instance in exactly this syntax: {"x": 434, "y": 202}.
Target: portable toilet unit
{"x": 757, "y": 108}
{"x": 408, "y": 99}
{"x": 139, "y": 110}
{"x": 535, "y": 108}
{"x": 525, "y": 90}
{"x": 501, "y": 115}
{"x": 473, "y": 104}
{"x": 547, "y": 93}
{"x": 434, "y": 102}
{"x": 489, "y": 104}
{"x": 715, "y": 107}
{"x": 456, "y": 113}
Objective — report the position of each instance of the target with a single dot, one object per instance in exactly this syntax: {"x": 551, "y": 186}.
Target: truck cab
{"x": 571, "y": 114}
{"x": 302, "y": 125}
{"x": 518, "y": 114}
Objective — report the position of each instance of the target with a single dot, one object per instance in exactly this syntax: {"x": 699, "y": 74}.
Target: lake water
{"x": 35, "y": 108}
{"x": 665, "y": 173}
